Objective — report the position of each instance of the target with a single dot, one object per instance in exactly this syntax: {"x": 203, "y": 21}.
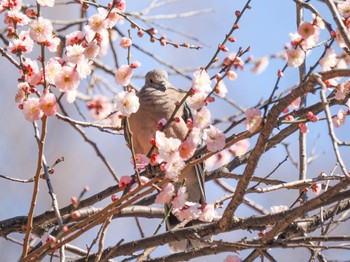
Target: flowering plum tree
{"x": 69, "y": 76}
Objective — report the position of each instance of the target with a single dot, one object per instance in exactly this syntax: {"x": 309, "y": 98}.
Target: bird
{"x": 158, "y": 99}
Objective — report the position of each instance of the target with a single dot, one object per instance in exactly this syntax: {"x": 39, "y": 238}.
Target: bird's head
{"x": 157, "y": 79}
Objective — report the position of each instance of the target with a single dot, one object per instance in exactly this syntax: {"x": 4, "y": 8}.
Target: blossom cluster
{"x": 27, "y": 30}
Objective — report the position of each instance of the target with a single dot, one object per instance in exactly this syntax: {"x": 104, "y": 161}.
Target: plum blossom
{"x": 342, "y": 90}
{"x": 316, "y": 188}
{"x": 141, "y": 161}
{"x": 295, "y": 57}
{"x": 202, "y": 118}
{"x": 344, "y": 8}
{"x": 190, "y": 211}
{"x": 40, "y": 29}
{"x": 233, "y": 258}
{"x": 232, "y": 75}
{"x": 123, "y": 75}
{"x": 75, "y": 37}
{"x": 100, "y": 107}
{"x": 339, "y": 119}
{"x": 124, "y": 181}
{"x": 234, "y": 60}
{"x": 97, "y": 22}
{"x": 208, "y": 213}
{"x": 220, "y": 88}
{"x": 219, "y": 159}
{"x": 31, "y": 109}
{"x": 67, "y": 79}
{"x": 295, "y": 104}
{"x": 23, "y": 44}
{"x": 92, "y": 50}
{"x": 75, "y": 53}
{"x": 195, "y": 136}
{"x": 201, "y": 81}
{"x": 239, "y": 148}
{"x": 52, "y": 42}
{"x": 260, "y": 65}
{"x": 253, "y": 119}
{"x": 306, "y": 30}
{"x": 14, "y": 5}
{"x": 180, "y": 198}
{"x": 16, "y": 17}
{"x": 84, "y": 68}
{"x": 31, "y": 71}
{"x": 166, "y": 194}
{"x": 174, "y": 167}
{"x": 303, "y": 128}
{"x": 214, "y": 139}
{"x": 187, "y": 149}
{"x": 22, "y": 90}
{"x": 168, "y": 147}
{"x": 197, "y": 101}
{"x": 329, "y": 61}
{"x": 48, "y": 104}
{"x": 52, "y": 68}
{"x": 125, "y": 42}
{"x": 127, "y": 102}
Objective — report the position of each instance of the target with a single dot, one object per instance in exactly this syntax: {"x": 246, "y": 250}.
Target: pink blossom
{"x": 67, "y": 79}
{"x": 168, "y": 147}
{"x": 100, "y": 107}
{"x": 92, "y": 50}
{"x": 120, "y": 4}
{"x": 306, "y": 30}
{"x": 48, "y": 104}
{"x": 84, "y": 68}
{"x": 97, "y": 23}
{"x": 311, "y": 116}
{"x": 144, "y": 180}
{"x": 208, "y": 213}
{"x": 195, "y": 136}
{"x": 339, "y": 119}
{"x": 40, "y": 29}
{"x": 240, "y": 148}
{"x": 113, "y": 18}
{"x": 123, "y": 75}
{"x": 124, "y": 181}
{"x": 342, "y": 90}
{"x": 214, "y": 139}
{"x": 49, "y": 3}
{"x": 219, "y": 159}
{"x": 234, "y": 60}
{"x": 52, "y": 68}
{"x": 161, "y": 123}
{"x": 318, "y": 21}
{"x": 180, "y": 198}
{"x": 295, "y": 57}
{"x": 187, "y": 149}
{"x": 174, "y": 167}
{"x": 233, "y": 258}
{"x": 277, "y": 209}
{"x": 75, "y": 53}
{"x": 329, "y": 61}
{"x": 202, "y": 118}
{"x": 71, "y": 95}
{"x": 253, "y": 119}
{"x": 75, "y": 37}
{"x": 32, "y": 73}
{"x": 232, "y": 75}
{"x": 344, "y": 8}
{"x": 125, "y": 42}
{"x": 197, "y": 101}
{"x": 22, "y": 44}
{"x": 16, "y": 17}
{"x": 190, "y": 211}
{"x": 201, "y": 81}
{"x": 22, "y": 90}
{"x": 166, "y": 194}
{"x": 127, "y": 103}
{"x": 303, "y": 128}
{"x": 47, "y": 238}
{"x": 316, "y": 188}
{"x": 141, "y": 161}
{"x": 14, "y": 5}
{"x": 220, "y": 88}
{"x": 260, "y": 65}
{"x": 31, "y": 109}
{"x": 52, "y": 42}
{"x": 155, "y": 159}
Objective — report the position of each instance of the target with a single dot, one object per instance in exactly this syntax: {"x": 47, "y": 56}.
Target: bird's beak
{"x": 162, "y": 86}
